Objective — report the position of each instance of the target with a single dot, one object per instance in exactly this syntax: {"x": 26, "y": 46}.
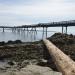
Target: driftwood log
{"x": 63, "y": 62}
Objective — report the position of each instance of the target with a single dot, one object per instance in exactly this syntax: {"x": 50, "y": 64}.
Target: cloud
{"x": 34, "y": 11}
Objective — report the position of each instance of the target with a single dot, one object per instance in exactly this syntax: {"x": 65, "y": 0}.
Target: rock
{"x": 43, "y": 60}
{"x": 11, "y": 63}
{"x": 33, "y": 70}
{"x": 24, "y": 63}
{"x": 38, "y": 70}
{"x": 34, "y": 62}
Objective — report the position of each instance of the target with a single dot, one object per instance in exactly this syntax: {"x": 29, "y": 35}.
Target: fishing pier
{"x": 63, "y": 24}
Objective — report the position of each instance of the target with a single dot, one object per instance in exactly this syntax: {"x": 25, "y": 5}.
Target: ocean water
{"x": 30, "y": 36}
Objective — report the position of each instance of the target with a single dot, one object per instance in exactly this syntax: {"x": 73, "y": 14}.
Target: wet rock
{"x": 23, "y": 64}
{"x": 11, "y": 63}
{"x": 38, "y": 70}
{"x": 32, "y": 70}
{"x": 34, "y": 62}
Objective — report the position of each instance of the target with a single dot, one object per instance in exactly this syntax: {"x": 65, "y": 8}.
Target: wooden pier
{"x": 62, "y": 24}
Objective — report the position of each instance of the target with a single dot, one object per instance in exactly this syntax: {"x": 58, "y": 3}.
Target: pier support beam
{"x": 46, "y": 32}
{"x": 27, "y": 31}
{"x": 43, "y": 29}
{"x": 43, "y": 33}
{"x": 12, "y": 29}
{"x": 27, "y": 28}
{"x": 66, "y": 29}
{"x": 63, "y": 62}
{"x": 62, "y": 29}
{"x": 35, "y": 29}
{"x": 3, "y": 29}
{"x": 24, "y": 29}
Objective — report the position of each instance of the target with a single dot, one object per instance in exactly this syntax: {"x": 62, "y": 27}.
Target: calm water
{"x": 31, "y": 36}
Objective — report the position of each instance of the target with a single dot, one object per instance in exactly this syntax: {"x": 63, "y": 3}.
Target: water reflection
{"x": 30, "y": 35}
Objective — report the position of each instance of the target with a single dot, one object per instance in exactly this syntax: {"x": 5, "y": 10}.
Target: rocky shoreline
{"x": 18, "y": 54}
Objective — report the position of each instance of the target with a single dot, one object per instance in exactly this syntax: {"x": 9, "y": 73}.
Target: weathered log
{"x": 63, "y": 62}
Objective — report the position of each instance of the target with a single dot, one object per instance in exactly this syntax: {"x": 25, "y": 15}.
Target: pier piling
{"x": 66, "y": 29}
{"x": 3, "y": 29}
{"x": 46, "y": 32}
{"x": 62, "y": 29}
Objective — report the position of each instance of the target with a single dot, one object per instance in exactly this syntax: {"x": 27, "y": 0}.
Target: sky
{"x": 21, "y": 12}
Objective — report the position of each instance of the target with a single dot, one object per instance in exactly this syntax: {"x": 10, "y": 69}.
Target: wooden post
{"x": 12, "y": 29}
{"x": 3, "y": 29}
{"x": 27, "y": 28}
{"x": 62, "y": 29}
{"x": 46, "y": 32}
{"x": 24, "y": 29}
{"x": 63, "y": 62}
{"x": 34, "y": 35}
{"x": 43, "y": 33}
{"x": 66, "y": 29}
{"x": 27, "y": 31}
{"x": 32, "y": 29}
{"x": 35, "y": 29}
